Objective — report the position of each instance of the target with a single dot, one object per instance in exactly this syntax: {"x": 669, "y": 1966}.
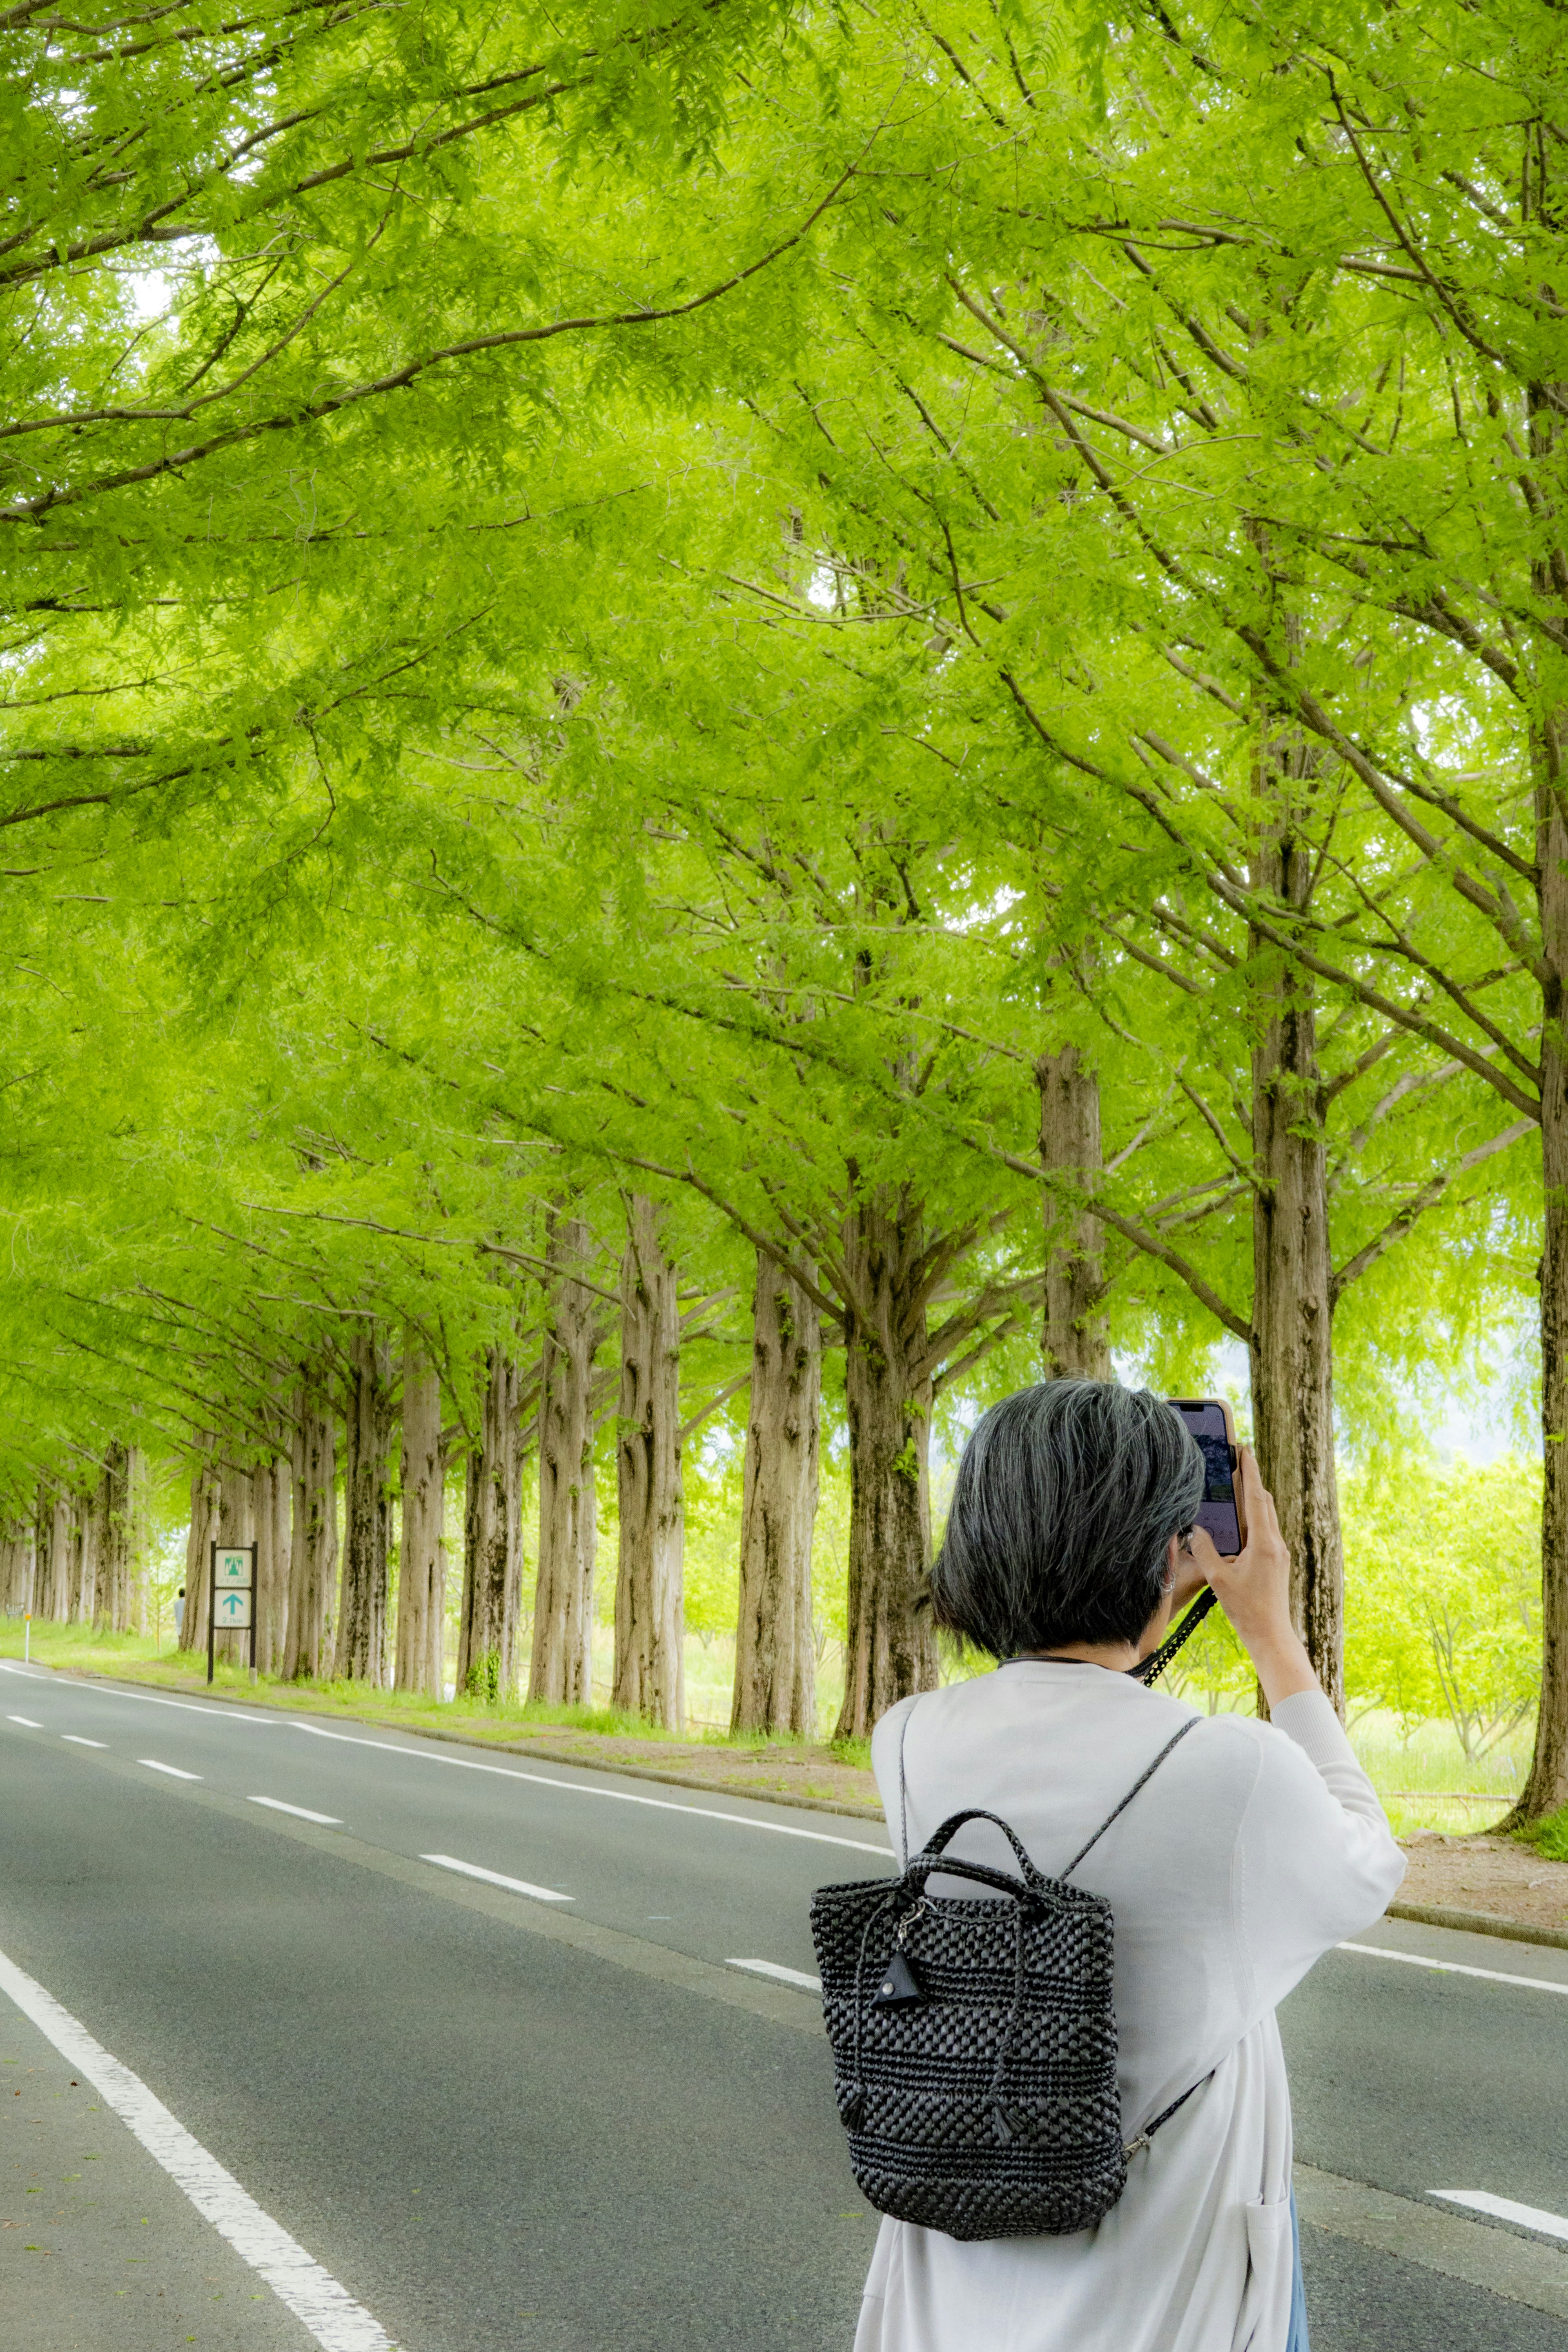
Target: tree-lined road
{"x": 567, "y": 2118}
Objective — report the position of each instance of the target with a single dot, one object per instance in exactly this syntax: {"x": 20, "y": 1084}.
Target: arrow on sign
{"x": 233, "y": 1600}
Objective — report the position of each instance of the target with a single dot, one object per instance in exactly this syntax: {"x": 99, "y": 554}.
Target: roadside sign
{"x": 231, "y": 1598}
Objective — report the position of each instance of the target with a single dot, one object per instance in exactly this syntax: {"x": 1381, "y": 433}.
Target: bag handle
{"x": 925, "y": 1861}
{"x": 928, "y": 1865}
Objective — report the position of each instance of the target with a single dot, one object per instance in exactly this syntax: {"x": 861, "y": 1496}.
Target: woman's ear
{"x": 1173, "y": 1565}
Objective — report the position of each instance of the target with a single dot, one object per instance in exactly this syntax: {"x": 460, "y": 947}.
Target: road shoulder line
{"x": 1520, "y": 2270}
{"x": 336, "y": 2322}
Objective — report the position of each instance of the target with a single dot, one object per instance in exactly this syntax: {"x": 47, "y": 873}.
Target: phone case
{"x": 1229, "y": 1420}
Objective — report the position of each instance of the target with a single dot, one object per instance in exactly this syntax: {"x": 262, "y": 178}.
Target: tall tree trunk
{"x": 1075, "y": 1340}
{"x": 272, "y": 1499}
{"x": 199, "y": 1537}
{"x": 890, "y": 1648}
{"x": 562, "y": 1672}
{"x": 493, "y": 1545}
{"x": 18, "y": 1580}
{"x": 112, "y": 1607}
{"x": 43, "y": 1594}
{"x": 775, "y": 1643}
{"x": 1546, "y": 1786}
{"x": 421, "y": 1561}
{"x": 363, "y": 1613}
{"x": 62, "y": 1554}
{"x": 136, "y": 1501}
{"x": 313, "y": 1551}
{"x": 650, "y": 1616}
{"x": 84, "y": 1554}
{"x": 1292, "y": 1346}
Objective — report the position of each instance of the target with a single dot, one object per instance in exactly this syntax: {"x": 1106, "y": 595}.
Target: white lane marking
{"x": 785, "y": 1975}
{"x": 1455, "y": 1969}
{"x": 336, "y": 2320}
{"x": 497, "y": 1878}
{"x": 1529, "y": 2216}
{"x": 27, "y": 1674}
{"x": 473, "y": 1764}
{"x": 301, "y": 1813}
{"x": 173, "y": 1769}
{"x": 151, "y": 1698}
{"x": 77, "y": 1741}
{"x": 26, "y": 1721}
{"x": 578, "y": 1789}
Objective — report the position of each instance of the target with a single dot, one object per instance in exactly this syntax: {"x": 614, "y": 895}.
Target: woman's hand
{"x": 1254, "y": 1591}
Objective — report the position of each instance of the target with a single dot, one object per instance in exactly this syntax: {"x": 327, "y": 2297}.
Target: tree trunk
{"x": 492, "y": 1543}
{"x": 890, "y": 1649}
{"x": 112, "y": 1604}
{"x": 775, "y": 1645}
{"x": 313, "y": 1551}
{"x": 421, "y": 1561}
{"x": 650, "y": 1618}
{"x": 19, "y": 1576}
{"x": 43, "y": 1545}
{"x": 1075, "y": 1342}
{"x": 272, "y": 1497}
{"x": 1291, "y": 1345}
{"x": 362, "y": 1610}
{"x": 136, "y": 1500}
{"x": 84, "y": 1554}
{"x": 1546, "y": 1787}
{"x": 199, "y": 1537}
{"x": 562, "y": 1672}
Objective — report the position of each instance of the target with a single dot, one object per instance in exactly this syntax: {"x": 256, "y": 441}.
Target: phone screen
{"x": 1217, "y": 1512}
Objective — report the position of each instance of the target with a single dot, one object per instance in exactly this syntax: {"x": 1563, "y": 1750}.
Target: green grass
{"x": 1548, "y": 1835}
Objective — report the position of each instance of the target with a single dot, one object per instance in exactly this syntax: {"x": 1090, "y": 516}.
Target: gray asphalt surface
{"x": 502, "y": 2123}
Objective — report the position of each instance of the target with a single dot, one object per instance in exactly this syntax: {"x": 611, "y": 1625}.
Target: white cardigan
{"x": 1254, "y": 1848}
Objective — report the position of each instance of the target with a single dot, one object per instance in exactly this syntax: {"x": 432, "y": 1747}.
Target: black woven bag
{"x": 975, "y": 2040}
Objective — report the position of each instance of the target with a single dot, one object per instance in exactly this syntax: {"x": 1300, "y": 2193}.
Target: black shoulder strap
{"x": 903, "y": 1792}
{"x": 1147, "y": 1775}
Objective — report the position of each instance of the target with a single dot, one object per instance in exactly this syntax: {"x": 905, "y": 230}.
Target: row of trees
{"x": 906, "y": 671}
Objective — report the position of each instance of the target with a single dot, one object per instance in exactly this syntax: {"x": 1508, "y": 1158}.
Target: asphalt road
{"x": 502, "y": 2121}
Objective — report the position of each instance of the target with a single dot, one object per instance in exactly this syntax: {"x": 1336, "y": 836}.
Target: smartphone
{"x": 1221, "y": 1514}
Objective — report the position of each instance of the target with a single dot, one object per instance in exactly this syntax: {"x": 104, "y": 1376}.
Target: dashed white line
{"x": 432, "y": 1755}
{"x": 77, "y": 1741}
{"x": 1503, "y": 2208}
{"x": 496, "y": 1878}
{"x": 784, "y": 1975}
{"x": 1456, "y": 1969}
{"x": 336, "y": 2320}
{"x": 26, "y": 1721}
{"x": 581, "y": 1789}
{"x": 173, "y": 1769}
{"x": 301, "y": 1812}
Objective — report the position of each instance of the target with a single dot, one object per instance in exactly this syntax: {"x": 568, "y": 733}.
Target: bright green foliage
{"x": 592, "y": 603}
{"x": 1443, "y": 1601}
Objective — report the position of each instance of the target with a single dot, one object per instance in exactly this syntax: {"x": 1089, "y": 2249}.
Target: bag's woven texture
{"x": 989, "y": 2109}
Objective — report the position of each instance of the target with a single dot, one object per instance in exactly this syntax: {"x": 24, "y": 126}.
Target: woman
{"x": 1254, "y": 1848}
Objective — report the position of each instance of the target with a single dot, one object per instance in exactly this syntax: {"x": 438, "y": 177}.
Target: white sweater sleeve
{"x": 1316, "y": 1860}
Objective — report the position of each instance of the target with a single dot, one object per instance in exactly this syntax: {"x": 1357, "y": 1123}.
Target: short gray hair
{"x": 1066, "y": 1499}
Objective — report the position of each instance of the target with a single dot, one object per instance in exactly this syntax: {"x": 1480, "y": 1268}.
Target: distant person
{"x": 179, "y": 1615}
{"x": 1254, "y": 1848}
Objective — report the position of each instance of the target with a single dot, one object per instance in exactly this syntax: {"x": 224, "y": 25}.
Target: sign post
{"x": 231, "y": 1598}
